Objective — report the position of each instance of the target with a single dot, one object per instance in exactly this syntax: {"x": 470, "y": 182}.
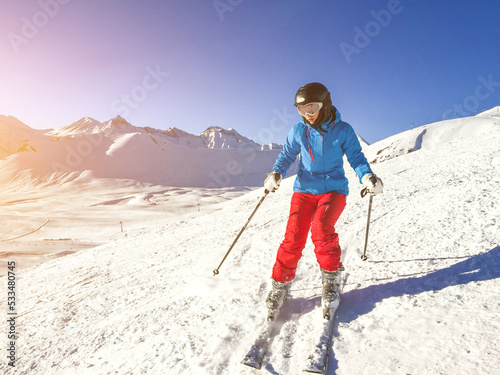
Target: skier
{"x": 320, "y": 191}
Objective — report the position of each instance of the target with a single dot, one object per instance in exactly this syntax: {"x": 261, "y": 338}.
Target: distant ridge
{"x": 88, "y": 149}
{"x": 213, "y": 137}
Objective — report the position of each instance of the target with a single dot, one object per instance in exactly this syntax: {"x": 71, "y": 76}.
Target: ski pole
{"x": 363, "y": 193}
{"x": 216, "y": 271}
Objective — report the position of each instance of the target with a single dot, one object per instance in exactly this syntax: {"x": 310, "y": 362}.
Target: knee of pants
{"x": 326, "y": 243}
{"x": 322, "y": 232}
{"x": 289, "y": 256}
{"x": 329, "y": 256}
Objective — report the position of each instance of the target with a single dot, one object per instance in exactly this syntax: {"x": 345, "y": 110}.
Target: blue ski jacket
{"x": 321, "y": 167}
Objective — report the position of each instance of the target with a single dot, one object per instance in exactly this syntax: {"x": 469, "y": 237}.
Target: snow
{"x": 493, "y": 112}
{"x": 117, "y": 149}
{"x": 429, "y": 137}
{"x": 216, "y": 137}
{"x": 16, "y": 136}
{"x": 213, "y": 137}
{"x": 425, "y": 302}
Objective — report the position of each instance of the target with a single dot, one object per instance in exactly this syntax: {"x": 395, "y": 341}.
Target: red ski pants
{"x": 306, "y": 210}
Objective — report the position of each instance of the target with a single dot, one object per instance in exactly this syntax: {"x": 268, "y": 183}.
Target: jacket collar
{"x": 328, "y": 125}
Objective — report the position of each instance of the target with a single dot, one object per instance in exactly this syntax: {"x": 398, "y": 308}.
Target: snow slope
{"x": 425, "y": 302}
{"x": 493, "y": 112}
{"x": 39, "y": 223}
{"x": 432, "y": 136}
{"x": 16, "y": 136}
{"x": 88, "y": 125}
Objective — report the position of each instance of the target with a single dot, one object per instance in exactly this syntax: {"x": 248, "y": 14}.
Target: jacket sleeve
{"x": 289, "y": 153}
{"x": 355, "y": 156}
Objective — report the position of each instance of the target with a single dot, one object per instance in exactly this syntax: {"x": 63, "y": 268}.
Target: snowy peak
{"x": 177, "y": 137}
{"x": 88, "y": 125}
{"x": 217, "y": 137}
{"x": 119, "y": 123}
{"x": 494, "y": 112}
{"x": 12, "y": 123}
{"x": 271, "y": 146}
{"x": 170, "y": 132}
{"x": 218, "y": 129}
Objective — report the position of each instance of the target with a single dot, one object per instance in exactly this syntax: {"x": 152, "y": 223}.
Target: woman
{"x": 320, "y": 191}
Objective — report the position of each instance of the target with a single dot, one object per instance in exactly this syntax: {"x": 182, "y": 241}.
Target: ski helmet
{"x": 312, "y": 92}
{"x": 315, "y": 92}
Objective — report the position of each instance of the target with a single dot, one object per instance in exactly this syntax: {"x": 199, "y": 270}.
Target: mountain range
{"x": 118, "y": 149}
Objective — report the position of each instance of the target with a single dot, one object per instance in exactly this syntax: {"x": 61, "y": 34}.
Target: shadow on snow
{"x": 355, "y": 303}
{"x": 480, "y": 267}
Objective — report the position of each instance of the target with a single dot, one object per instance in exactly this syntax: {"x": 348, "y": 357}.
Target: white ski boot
{"x": 331, "y": 290}
{"x": 276, "y": 298}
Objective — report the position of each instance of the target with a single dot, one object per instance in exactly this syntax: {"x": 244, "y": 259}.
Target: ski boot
{"x": 331, "y": 292}
{"x": 275, "y": 299}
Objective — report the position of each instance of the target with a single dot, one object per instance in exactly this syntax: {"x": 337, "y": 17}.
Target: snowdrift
{"x": 425, "y": 302}
{"x": 432, "y": 136}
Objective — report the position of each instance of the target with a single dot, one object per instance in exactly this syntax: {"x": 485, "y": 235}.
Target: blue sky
{"x": 238, "y": 63}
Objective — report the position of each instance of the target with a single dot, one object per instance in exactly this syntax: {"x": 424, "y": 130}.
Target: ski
{"x": 275, "y": 301}
{"x": 317, "y": 362}
{"x": 256, "y": 354}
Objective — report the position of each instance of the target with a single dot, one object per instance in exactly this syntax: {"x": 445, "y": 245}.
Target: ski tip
{"x": 248, "y": 361}
{"x": 315, "y": 366}
{"x": 314, "y": 370}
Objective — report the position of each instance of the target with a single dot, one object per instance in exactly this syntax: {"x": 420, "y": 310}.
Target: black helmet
{"x": 312, "y": 92}
{"x": 315, "y": 92}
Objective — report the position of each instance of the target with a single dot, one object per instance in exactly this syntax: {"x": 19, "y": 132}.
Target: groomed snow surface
{"x": 425, "y": 302}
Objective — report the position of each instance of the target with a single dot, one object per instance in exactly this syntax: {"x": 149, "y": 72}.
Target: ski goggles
{"x": 310, "y": 108}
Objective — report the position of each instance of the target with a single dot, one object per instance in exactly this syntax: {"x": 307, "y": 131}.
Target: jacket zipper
{"x": 310, "y": 151}
{"x": 311, "y": 154}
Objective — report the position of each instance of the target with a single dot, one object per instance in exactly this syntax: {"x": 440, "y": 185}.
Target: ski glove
{"x": 372, "y": 183}
{"x": 272, "y": 182}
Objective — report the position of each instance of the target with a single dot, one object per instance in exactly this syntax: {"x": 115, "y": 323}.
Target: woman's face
{"x": 312, "y": 118}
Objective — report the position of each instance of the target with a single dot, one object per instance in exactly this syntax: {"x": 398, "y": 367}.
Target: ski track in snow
{"x": 425, "y": 302}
